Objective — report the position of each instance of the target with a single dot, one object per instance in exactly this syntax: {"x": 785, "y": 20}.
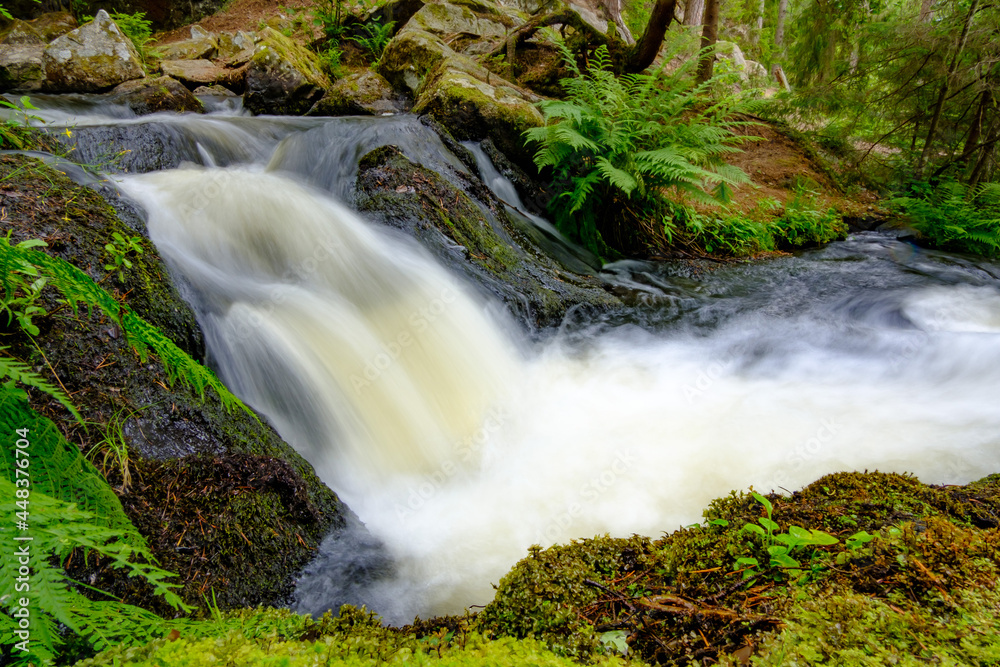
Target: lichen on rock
{"x": 91, "y": 59}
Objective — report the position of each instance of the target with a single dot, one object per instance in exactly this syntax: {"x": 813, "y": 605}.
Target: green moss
{"x": 273, "y": 43}
{"x": 544, "y": 594}
{"x": 179, "y": 442}
{"x": 684, "y": 597}
{"x": 356, "y": 638}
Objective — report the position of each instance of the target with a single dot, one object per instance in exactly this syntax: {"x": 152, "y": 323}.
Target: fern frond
{"x": 13, "y": 370}
{"x": 79, "y": 288}
{"x": 59, "y": 469}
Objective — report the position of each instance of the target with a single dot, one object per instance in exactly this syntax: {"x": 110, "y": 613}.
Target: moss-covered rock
{"x": 145, "y": 96}
{"x": 470, "y": 231}
{"x": 21, "y": 67}
{"x": 193, "y": 73}
{"x": 410, "y": 57}
{"x": 223, "y": 501}
{"x": 91, "y": 59}
{"x": 446, "y": 18}
{"x": 201, "y": 45}
{"x": 20, "y": 32}
{"x": 360, "y": 94}
{"x": 911, "y": 571}
{"x": 474, "y": 109}
{"x": 283, "y": 77}
{"x": 54, "y": 24}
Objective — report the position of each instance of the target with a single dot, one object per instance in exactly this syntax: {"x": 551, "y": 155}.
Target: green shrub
{"x": 737, "y": 234}
{"x": 16, "y": 132}
{"x": 804, "y": 223}
{"x": 950, "y": 216}
{"x": 617, "y": 145}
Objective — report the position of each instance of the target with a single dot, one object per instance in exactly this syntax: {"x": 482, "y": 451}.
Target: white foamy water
{"x": 459, "y": 446}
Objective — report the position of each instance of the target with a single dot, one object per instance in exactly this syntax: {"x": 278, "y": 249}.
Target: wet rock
{"x": 283, "y": 77}
{"x": 363, "y": 94}
{"x": 92, "y": 58}
{"x": 21, "y": 67}
{"x": 473, "y": 109}
{"x": 202, "y": 44}
{"x": 54, "y": 24}
{"x": 145, "y": 96}
{"x": 189, "y": 455}
{"x": 195, "y": 73}
{"x": 468, "y": 229}
{"x": 20, "y": 32}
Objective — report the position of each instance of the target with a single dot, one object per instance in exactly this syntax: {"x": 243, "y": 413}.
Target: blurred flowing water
{"x": 459, "y": 442}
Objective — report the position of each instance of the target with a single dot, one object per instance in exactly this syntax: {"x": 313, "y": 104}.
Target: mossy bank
{"x": 220, "y": 498}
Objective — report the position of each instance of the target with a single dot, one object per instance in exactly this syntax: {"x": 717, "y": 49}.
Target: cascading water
{"x": 458, "y": 446}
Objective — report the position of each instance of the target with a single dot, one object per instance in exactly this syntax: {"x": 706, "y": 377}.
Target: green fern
{"x": 620, "y": 143}
{"x": 58, "y": 469}
{"x": 949, "y": 216}
{"x": 78, "y": 288}
{"x": 15, "y": 372}
{"x": 57, "y": 528}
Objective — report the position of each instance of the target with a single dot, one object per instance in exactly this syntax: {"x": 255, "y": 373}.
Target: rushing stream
{"x": 459, "y": 442}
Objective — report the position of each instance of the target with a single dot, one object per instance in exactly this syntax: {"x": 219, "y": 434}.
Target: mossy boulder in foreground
{"x": 912, "y": 580}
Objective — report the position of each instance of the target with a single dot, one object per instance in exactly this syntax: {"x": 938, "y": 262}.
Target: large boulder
{"x": 91, "y": 59}
{"x": 410, "y": 57}
{"x": 283, "y": 77}
{"x": 54, "y": 24}
{"x": 473, "y": 109}
{"x": 20, "y": 32}
{"x": 469, "y": 230}
{"x": 202, "y": 44}
{"x": 145, "y": 96}
{"x": 189, "y": 457}
{"x": 360, "y": 94}
{"x": 468, "y": 31}
{"x": 21, "y": 67}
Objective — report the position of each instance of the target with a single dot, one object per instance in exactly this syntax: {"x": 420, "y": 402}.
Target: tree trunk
{"x": 779, "y": 26}
{"x": 709, "y": 35}
{"x": 645, "y": 50}
{"x": 759, "y": 21}
{"x": 943, "y": 94}
{"x": 693, "y": 12}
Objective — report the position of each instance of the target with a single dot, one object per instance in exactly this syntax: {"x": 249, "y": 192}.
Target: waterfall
{"x": 459, "y": 443}
{"x": 459, "y": 447}
{"x": 366, "y": 355}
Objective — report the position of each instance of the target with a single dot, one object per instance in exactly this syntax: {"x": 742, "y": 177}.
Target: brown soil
{"x": 777, "y": 164}
{"x": 239, "y": 15}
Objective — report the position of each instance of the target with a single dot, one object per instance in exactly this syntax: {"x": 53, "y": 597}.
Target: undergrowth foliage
{"x": 622, "y": 143}
{"x": 69, "y": 506}
{"x": 953, "y": 217}
{"x": 78, "y": 288}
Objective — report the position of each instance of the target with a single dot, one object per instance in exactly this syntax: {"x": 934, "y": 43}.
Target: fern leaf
{"x": 14, "y": 371}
